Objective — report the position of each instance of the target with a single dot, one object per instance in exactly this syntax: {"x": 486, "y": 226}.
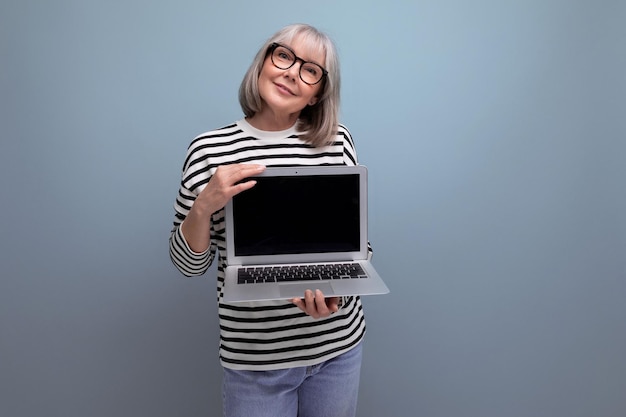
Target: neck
{"x": 265, "y": 120}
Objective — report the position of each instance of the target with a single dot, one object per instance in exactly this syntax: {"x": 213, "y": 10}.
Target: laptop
{"x": 300, "y": 228}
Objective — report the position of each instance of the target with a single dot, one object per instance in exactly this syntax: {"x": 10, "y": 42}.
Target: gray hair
{"x": 319, "y": 123}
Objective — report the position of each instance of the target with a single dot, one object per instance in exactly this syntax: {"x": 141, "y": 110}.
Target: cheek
{"x": 314, "y": 93}
{"x": 268, "y": 70}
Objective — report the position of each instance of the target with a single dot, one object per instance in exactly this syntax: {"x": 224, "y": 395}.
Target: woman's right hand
{"x": 226, "y": 182}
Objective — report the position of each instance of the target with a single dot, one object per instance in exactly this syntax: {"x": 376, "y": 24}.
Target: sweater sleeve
{"x": 188, "y": 262}
{"x": 350, "y": 158}
{"x": 349, "y": 151}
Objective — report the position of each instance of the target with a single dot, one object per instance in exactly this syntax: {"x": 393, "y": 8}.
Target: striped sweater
{"x": 262, "y": 335}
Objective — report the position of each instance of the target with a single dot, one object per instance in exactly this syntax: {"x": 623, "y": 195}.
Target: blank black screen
{"x": 297, "y": 214}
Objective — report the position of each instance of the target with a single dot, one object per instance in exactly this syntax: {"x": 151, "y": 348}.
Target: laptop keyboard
{"x": 294, "y": 273}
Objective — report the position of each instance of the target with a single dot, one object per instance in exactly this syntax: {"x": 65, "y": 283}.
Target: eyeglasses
{"x": 284, "y": 58}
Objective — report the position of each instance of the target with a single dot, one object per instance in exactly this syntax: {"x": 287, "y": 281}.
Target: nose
{"x": 294, "y": 70}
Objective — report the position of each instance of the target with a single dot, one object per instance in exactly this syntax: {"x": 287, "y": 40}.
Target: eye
{"x": 284, "y": 54}
{"x": 311, "y": 69}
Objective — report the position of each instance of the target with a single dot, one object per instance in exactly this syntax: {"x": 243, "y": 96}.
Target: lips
{"x": 284, "y": 89}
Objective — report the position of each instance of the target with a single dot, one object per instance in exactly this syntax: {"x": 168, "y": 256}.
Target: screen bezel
{"x": 359, "y": 254}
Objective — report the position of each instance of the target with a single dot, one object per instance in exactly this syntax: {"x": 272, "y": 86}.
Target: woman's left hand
{"x": 316, "y": 305}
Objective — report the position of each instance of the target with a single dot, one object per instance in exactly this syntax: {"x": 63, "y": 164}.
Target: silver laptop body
{"x": 300, "y": 216}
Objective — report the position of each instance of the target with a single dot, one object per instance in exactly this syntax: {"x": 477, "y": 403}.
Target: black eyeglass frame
{"x": 296, "y": 58}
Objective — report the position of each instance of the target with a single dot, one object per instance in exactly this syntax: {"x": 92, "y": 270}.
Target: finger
{"x": 309, "y": 298}
{"x": 227, "y": 182}
{"x": 333, "y": 304}
{"x": 320, "y": 304}
{"x": 229, "y": 175}
{"x": 310, "y": 305}
{"x": 298, "y": 302}
{"x": 241, "y": 178}
{"x": 243, "y": 186}
{"x": 240, "y": 172}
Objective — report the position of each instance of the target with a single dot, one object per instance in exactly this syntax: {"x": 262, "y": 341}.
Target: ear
{"x": 313, "y": 101}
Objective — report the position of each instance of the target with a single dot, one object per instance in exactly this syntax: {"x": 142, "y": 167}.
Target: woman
{"x": 299, "y": 358}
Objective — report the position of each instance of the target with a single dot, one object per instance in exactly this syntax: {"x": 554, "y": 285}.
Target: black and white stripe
{"x": 262, "y": 335}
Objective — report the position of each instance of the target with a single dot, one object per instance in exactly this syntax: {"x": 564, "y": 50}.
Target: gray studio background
{"x": 495, "y": 136}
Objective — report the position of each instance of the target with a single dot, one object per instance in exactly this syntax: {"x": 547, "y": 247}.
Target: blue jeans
{"x": 329, "y": 389}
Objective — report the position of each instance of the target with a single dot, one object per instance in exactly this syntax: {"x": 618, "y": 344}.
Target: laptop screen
{"x": 297, "y": 214}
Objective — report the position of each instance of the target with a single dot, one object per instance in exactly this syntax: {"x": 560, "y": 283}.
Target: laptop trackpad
{"x": 292, "y": 290}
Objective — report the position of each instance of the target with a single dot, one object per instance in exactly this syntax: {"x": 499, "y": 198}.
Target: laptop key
{"x": 294, "y": 273}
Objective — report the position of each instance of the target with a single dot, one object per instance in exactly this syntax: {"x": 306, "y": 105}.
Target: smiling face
{"x": 283, "y": 93}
